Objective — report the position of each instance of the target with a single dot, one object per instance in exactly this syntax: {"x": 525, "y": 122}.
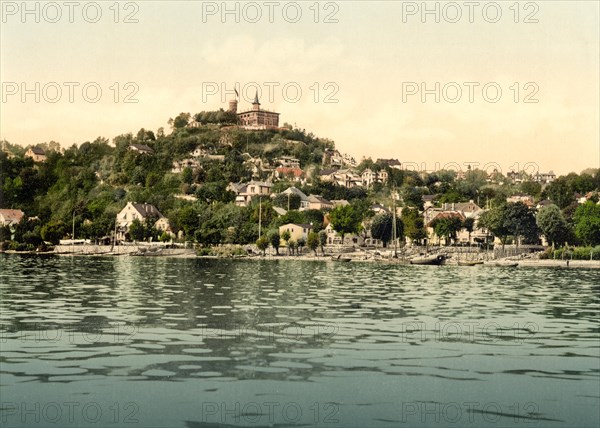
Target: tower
{"x": 256, "y": 103}
{"x": 233, "y": 106}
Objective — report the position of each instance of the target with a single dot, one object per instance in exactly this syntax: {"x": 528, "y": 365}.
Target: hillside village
{"x": 229, "y": 177}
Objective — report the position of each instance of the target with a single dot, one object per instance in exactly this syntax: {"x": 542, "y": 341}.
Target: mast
{"x": 394, "y": 237}
{"x": 259, "y": 214}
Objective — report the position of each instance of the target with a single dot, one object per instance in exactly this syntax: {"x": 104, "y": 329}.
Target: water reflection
{"x": 377, "y": 342}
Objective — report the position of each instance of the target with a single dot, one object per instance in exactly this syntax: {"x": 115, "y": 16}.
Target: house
{"x": 544, "y": 203}
{"x": 163, "y": 225}
{"x": 334, "y": 238}
{"x": 370, "y": 177}
{"x": 179, "y": 166}
{"x": 440, "y": 215}
{"x": 304, "y": 203}
{"x": 36, "y": 153}
{"x": 526, "y": 199}
{"x": 297, "y": 231}
{"x": 341, "y": 177}
{"x": 392, "y": 163}
{"x": 379, "y": 209}
{"x": 463, "y": 210}
{"x": 287, "y": 162}
{"x": 292, "y": 173}
{"x": 339, "y": 203}
{"x": 256, "y": 118}
{"x": 316, "y": 202}
{"x": 544, "y": 177}
{"x": 333, "y": 158}
{"x": 349, "y": 160}
{"x": 246, "y": 191}
{"x": 134, "y": 211}
{"x": 428, "y": 200}
{"x": 10, "y": 217}
{"x": 141, "y": 148}
{"x": 464, "y": 207}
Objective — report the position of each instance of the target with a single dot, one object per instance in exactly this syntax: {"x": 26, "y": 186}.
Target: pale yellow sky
{"x": 361, "y": 76}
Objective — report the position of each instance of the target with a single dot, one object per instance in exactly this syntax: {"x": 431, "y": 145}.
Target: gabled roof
{"x": 37, "y": 150}
{"x": 141, "y": 148}
{"x": 446, "y": 214}
{"x": 302, "y": 225}
{"x": 296, "y": 191}
{"x": 147, "y": 210}
{"x": 462, "y": 206}
{"x": 279, "y": 210}
{"x": 328, "y": 171}
{"x": 319, "y": 199}
{"x": 297, "y": 172}
{"x": 13, "y": 216}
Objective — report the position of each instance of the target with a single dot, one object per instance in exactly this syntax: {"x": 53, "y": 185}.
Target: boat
{"x": 467, "y": 263}
{"x": 428, "y": 260}
{"x": 340, "y": 259}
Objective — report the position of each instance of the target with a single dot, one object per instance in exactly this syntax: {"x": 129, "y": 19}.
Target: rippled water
{"x": 155, "y": 342}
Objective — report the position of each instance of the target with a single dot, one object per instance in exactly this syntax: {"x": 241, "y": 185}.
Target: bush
{"x": 574, "y": 253}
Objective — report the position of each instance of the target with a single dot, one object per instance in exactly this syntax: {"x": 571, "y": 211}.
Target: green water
{"x": 154, "y": 342}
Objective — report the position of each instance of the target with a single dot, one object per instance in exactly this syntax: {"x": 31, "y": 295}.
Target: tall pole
{"x": 259, "y": 215}
{"x": 394, "y": 237}
{"x": 73, "y": 234}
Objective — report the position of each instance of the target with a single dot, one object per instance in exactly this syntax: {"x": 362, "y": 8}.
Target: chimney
{"x": 452, "y": 206}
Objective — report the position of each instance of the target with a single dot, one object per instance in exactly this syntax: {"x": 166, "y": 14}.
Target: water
{"x": 154, "y": 342}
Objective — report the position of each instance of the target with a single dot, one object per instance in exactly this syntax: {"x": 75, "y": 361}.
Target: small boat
{"x": 502, "y": 264}
{"x": 340, "y": 258}
{"x": 467, "y": 263}
{"x": 428, "y": 260}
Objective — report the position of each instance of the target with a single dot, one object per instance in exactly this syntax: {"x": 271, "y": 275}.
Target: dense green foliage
{"x": 83, "y": 188}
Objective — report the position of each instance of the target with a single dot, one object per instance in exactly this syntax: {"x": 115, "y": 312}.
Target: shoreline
{"x": 355, "y": 257}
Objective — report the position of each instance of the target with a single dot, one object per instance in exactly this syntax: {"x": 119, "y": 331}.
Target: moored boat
{"x": 340, "y": 258}
{"x": 467, "y": 263}
{"x": 428, "y": 260}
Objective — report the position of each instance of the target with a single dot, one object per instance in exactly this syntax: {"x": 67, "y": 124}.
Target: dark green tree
{"x": 382, "y": 228}
{"x": 587, "y": 223}
{"x": 552, "y": 225}
{"x": 345, "y": 219}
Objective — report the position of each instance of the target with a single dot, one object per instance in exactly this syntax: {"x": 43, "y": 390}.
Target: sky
{"x": 506, "y": 85}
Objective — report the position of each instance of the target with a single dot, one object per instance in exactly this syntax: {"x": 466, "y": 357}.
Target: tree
{"x": 301, "y": 244}
{"x": 275, "y": 240}
{"x": 520, "y": 222}
{"x": 553, "y": 225}
{"x": 587, "y": 223}
{"x": 286, "y": 235}
{"x": 382, "y": 228}
{"x": 53, "y": 231}
{"x": 469, "y": 224}
{"x": 414, "y": 226}
{"x": 313, "y": 241}
{"x": 322, "y": 240}
{"x": 560, "y": 192}
{"x": 493, "y": 220}
{"x": 447, "y": 227}
{"x": 136, "y": 230}
{"x": 292, "y": 245}
{"x": 262, "y": 243}
{"x": 345, "y": 219}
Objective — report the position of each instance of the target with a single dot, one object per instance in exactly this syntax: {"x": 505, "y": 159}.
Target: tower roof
{"x": 256, "y": 98}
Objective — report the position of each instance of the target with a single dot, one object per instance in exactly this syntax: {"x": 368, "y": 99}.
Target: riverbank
{"x": 360, "y": 256}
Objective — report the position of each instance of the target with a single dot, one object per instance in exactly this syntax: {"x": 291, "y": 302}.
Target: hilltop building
{"x": 256, "y": 118}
